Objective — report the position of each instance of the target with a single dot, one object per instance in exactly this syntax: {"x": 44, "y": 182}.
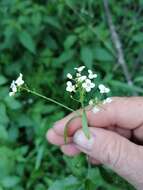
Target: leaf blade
{"x": 27, "y": 41}
{"x": 85, "y": 124}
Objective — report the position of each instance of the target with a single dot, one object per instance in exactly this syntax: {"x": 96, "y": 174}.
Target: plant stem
{"x": 46, "y": 98}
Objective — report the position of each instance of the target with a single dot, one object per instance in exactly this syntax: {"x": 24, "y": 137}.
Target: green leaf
{"x": 101, "y": 54}
{"x": 70, "y": 40}
{"x": 53, "y": 21}
{"x": 3, "y": 80}
{"x": 10, "y": 181}
{"x": 7, "y": 163}
{"x": 64, "y": 57}
{"x": 27, "y": 41}
{"x": 69, "y": 182}
{"x": 39, "y": 156}
{"x": 125, "y": 86}
{"x": 85, "y": 124}
{"x": 4, "y": 118}
{"x": 3, "y": 133}
{"x": 138, "y": 37}
{"x": 86, "y": 56}
{"x": 77, "y": 165}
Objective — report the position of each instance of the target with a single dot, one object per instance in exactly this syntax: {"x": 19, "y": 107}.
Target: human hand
{"x": 110, "y": 128}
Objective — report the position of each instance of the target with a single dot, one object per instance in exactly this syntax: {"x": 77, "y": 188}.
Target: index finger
{"x": 124, "y": 112}
{"x": 104, "y": 117}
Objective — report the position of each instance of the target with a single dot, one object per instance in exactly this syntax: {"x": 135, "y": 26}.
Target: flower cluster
{"x": 16, "y": 84}
{"x": 82, "y": 81}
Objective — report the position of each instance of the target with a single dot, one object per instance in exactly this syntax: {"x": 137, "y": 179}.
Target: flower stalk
{"x": 46, "y": 98}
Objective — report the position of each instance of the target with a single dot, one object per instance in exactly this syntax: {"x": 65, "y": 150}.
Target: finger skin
{"x": 122, "y": 116}
{"x": 70, "y": 149}
{"x": 115, "y": 151}
{"x": 121, "y": 112}
{"x": 56, "y": 139}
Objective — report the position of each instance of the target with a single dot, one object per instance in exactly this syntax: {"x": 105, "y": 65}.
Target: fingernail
{"x": 81, "y": 140}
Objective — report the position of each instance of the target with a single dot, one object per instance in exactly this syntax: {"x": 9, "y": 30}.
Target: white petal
{"x": 79, "y": 69}
{"x": 88, "y": 89}
{"x": 78, "y": 74}
{"x": 11, "y": 93}
{"x": 107, "y": 100}
{"x": 82, "y": 78}
{"x": 69, "y": 76}
{"x": 19, "y": 80}
{"x": 14, "y": 89}
{"x": 107, "y": 90}
{"x": 92, "y": 85}
{"x": 69, "y": 83}
{"x": 91, "y": 102}
{"x": 95, "y": 109}
{"x": 92, "y": 76}
{"x": 88, "y": 81}
{"x": 101, "y": 86}
{"x": 69, "y": 89}
{"x": 103, "y": 89}
{"x": 89, "y": 71}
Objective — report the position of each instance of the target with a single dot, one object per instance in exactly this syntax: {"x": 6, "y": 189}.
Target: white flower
{"x": 95, "y": 109}
{"x": 19, "y": 81}
{"x": 103, "y": 89}
{"x": 91, "y": 102}
{"x": 70, "y": 87}
{"x": 79, "y": 69}
{"x": 15, "y": 84}
{"x": 107, "y": 100}
{"x": 91, "y": 75}
{"x": 11, "y": 93}
{"x": 88, "y": 85}
{"x": 82, "y": 78}
{"x": 78, "y": 75}
{"x": 69, "y": 76}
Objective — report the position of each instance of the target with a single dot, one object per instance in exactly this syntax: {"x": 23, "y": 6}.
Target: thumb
{"x": 115, "y": 151}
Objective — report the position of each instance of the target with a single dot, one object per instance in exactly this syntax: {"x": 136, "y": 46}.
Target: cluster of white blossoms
{"x": 85, "y": 82}
{"x": 16, "y": 84}
{"x": 80, "y": 80}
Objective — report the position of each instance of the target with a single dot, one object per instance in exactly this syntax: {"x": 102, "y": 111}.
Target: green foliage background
{"x": 44, "y": 40}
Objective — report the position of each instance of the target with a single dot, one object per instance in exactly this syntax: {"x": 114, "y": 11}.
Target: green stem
{"x": 46, "y": 98}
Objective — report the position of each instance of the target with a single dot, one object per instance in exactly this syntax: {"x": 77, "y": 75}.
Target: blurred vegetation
{"x": 45, "y": 39}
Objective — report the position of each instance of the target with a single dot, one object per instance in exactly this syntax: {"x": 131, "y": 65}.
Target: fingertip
{"x": 56, "y": 139}
{"x": 59, "y": 127}
{"x": 49, "y": 134}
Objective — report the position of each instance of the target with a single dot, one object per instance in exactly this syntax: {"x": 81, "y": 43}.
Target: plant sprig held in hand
{"x": 79, "y": 86}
